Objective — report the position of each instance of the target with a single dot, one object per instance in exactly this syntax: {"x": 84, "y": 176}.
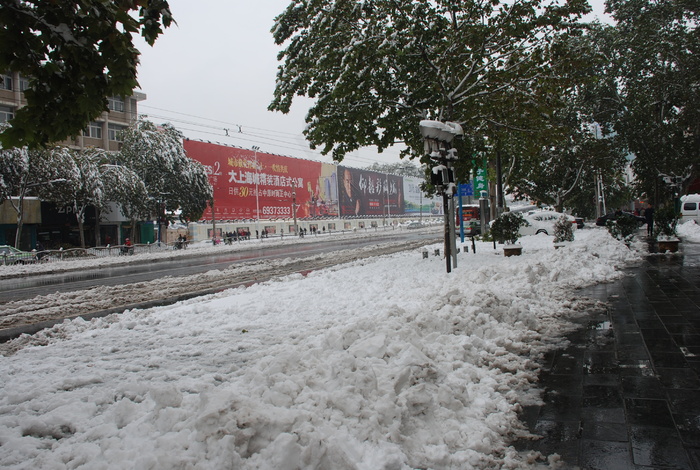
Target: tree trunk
{"x": 98, "y": 237}
{"x": 133, "y": 231}
{"x": 20, "y": 220}
{"x": 81, "y": 225}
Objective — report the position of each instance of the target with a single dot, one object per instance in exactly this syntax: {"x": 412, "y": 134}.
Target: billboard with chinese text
{"x": 368, "y": 193}
{"x": 245, "y": 182}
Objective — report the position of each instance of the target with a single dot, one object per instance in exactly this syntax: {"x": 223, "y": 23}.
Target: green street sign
{"x": 481, "y": 182}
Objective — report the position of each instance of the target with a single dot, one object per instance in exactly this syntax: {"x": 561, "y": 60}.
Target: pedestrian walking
{"x": 649, "y": 216}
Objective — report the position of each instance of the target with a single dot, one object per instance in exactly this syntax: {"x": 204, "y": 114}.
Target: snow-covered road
{"x": 381, "y": 363}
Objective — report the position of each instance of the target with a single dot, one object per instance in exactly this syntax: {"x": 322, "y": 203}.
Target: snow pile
{"x": 385, "y": 363}
{"x": 689, "y": 231}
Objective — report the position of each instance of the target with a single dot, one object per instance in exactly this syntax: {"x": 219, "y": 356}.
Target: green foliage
{"x": 665, "y": 222}
{"x": 563, "y": 230}
{"x": 75, "y": 53}
{"x": 506, "y": 228}
{"x": 654, "y": 58}
{"x": 624, "y": 228}
{"x": 375, "y": 69}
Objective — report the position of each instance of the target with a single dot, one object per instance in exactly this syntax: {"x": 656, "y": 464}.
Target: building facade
{"x": 57, "y": 226}
{"x": 103, "y": 132}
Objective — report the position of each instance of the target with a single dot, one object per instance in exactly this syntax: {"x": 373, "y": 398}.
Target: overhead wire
{"x": 240, "y": 132}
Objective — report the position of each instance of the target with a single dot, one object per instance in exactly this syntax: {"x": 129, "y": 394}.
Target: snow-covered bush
{"x": 623, "y": 228}
{"x": 563, "y": 230}
{"x": 506, "y": 228}
{"x": 665, "y": 223}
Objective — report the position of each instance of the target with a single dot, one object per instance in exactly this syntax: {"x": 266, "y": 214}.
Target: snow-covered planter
{"x": 668, "y": 245}
{"x": 665, "y": 223}
{"x": 512, "y": 250}
{"x": 506, "y": 229}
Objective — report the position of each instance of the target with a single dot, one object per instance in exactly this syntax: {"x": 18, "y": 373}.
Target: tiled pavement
{"x": 626, "y": 393}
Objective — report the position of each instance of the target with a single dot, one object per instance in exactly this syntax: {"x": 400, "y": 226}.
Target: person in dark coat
{"x": 649, "y": 215}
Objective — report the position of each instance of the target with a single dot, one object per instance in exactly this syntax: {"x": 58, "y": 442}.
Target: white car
{"x": 543, "y": 222}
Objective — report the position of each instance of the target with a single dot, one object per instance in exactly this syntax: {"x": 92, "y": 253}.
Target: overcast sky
{"x": 215, "y": 70}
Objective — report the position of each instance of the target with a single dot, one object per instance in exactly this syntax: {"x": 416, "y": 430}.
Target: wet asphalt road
{"x": 31, "y": 286}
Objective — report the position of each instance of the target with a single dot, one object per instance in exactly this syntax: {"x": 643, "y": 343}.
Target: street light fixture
{"x": 257, "y": 195}
{"x": 294, "y": 207}
{"x": 438, "y": 137}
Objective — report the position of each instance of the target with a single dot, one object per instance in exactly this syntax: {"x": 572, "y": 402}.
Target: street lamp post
{"x": 388, "y": 201}
{"x": 294, "y": 207}
{"x": 257, "y": 192}
{"x": 438, "y": 138}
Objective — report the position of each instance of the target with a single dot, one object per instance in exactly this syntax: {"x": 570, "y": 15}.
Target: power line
{"x": 239, "y": 132}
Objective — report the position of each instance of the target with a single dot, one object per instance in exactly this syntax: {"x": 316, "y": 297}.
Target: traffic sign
{"x": 466, "y": 189}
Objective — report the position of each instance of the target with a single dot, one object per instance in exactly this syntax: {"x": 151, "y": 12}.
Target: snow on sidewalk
{"x": 384, "y": 363}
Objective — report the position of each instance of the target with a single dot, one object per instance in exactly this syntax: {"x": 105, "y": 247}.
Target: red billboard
{"x": 368, "y": 193}
{"x": 256, "y": 185}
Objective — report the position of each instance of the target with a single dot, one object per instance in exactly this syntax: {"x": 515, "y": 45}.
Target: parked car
{"x": 601, "y": 221}
{"x": 579, "y": 222}
{"x": 11, "y": 255}
{"x": 543, "y": 222}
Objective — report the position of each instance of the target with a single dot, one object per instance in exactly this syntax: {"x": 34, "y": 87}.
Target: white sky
{"x": 216, "y": 69}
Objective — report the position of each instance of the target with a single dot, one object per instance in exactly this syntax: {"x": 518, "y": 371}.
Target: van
{"x": 690, "y": 208}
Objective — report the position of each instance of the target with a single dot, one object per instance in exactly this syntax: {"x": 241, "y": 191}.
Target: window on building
{"x": 115, "y": 103}
{"x": 23, "y": 83}
{"x": 94, "y": 130}
{"x": 113, "y": 131}
{"x": 6, "y": 113}
{"x": 5, "y": 82}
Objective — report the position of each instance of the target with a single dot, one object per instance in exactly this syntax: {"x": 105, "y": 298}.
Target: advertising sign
{"x": 415, "y": 201}
{"x": 367, "y": 193}
{"x": 246, "y": 182}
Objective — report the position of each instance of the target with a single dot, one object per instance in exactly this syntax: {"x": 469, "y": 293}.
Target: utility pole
{"x": 257, "y": 192}
{"x": 294, "y": 207}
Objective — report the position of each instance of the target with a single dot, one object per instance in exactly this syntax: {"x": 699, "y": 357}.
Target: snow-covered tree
{"x": 399, "y": 168}
{"x": 84, "y": 186}
{"x": 376, "y": 68}
{"x": 27, "y": 172}
{"x": 127, "y": 189}
{"x": 75, "y": 55}
{"x": 172, "y": 179}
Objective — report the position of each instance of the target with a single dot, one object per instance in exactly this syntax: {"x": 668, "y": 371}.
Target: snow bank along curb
{"x": 381, "y": 363}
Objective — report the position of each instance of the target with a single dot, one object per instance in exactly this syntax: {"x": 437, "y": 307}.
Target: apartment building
{"x": 44, "y": 222}
{"x": 102, "y": 132}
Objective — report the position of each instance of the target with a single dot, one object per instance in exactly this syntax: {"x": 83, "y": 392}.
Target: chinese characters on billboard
{"x": 367, "y": 193}
{"x": 245, "y": 181}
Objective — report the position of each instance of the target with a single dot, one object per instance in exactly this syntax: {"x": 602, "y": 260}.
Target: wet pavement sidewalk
{"x": 625, "y": 394}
